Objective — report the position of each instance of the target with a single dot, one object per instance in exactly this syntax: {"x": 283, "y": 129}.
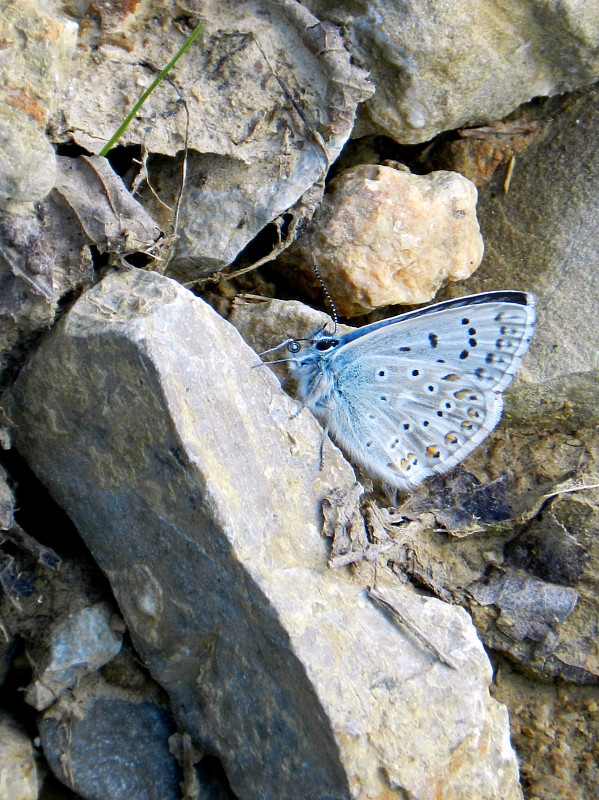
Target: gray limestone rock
{"x": 545, "y": 597}
{"x": 77, "y": 646}
{"x": 541, "y": 236}
{"x": 444, "y": 65}
{"x": 198, "y": 492}
{"x": 27, "y": 162}
{"x": 47, "y": 253}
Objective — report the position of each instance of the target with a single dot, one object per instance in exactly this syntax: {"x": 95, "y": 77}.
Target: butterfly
{"x": 411, "y": 396}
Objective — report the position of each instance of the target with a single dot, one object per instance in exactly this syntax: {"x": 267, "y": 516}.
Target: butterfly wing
{"x": 412, "y": 396}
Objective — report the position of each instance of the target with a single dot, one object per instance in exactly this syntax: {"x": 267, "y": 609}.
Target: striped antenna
{"x": 327, "y": 295}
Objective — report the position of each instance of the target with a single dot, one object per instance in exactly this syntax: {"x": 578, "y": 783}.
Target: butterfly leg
{"x": 299, "y": 411}
{"x": 325, "y": 433}
{"x": 392, "y": 493}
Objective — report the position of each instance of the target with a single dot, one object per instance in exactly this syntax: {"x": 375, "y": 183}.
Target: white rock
{"x": 18, "y": 771}
{"x": 77, "y": 646}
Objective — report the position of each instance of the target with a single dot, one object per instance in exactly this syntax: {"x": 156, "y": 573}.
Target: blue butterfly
{"x": 413, "y": 395}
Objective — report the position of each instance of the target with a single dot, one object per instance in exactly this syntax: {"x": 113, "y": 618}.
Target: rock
{"x": 58, "y": 608}
{"x": 27, "y": 162}
{"x": 541, "y": 236}
{"x": 108, "y": 215}
{"x": 7, "y": 501}
{"x": 525, "y": 608}
{"x": 547, "y": 550}
{"x": 261, "y": 128}
{"x": 530, "y": 581}
{"x": 18, "y": 770}
{"x": 559, "y": 552}
{"x": 32, "y": 74}
{"x": 76, "y": 646}
{"x": 439, "y": 66}
{"x": 384, "y": 236}
{"x": 107, "y": 746}
{"x": 198, "y": 492}
{"x": 477, "y": 152}
{"x": 48, "y": 253}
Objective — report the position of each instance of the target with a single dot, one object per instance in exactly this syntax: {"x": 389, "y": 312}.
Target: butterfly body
{"x": 412, "y": 396}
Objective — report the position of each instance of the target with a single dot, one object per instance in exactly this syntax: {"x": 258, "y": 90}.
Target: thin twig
{"x": 508, "y": 174}
{"x": 582, "y": 488}
{"x": 395, "y": 612}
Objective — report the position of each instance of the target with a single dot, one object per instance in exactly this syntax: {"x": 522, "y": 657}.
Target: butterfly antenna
{"x": 268, "y": 363}
{"x": 328, "y": 297}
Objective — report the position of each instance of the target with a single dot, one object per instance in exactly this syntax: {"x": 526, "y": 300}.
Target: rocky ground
{"x": 200, "y": 598}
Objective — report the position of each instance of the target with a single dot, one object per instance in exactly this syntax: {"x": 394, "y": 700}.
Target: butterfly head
{"x": 306, "y": 353}
{"x": 311, "y": 352}
{"x": 319, "y": 343}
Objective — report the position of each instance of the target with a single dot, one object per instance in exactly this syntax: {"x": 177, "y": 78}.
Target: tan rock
{"x": 18, "y": 771}
{"x": 36, "y": 50}
{"x": 385, "y": 236}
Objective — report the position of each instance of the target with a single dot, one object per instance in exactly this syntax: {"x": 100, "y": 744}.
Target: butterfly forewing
{"x": 485, "y": 340}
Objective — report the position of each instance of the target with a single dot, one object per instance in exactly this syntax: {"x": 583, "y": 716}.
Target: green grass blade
{"x": 125, "y": 123}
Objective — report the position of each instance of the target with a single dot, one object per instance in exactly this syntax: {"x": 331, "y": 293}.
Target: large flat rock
{"x": 198, "y": 493}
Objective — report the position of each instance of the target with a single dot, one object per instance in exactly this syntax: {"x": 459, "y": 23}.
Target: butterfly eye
{"x": 326, "y": 344}
{"x": 294, "y": 347}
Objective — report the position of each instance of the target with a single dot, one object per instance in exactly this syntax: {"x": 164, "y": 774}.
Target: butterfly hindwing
{"x": 404, "y": 433}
